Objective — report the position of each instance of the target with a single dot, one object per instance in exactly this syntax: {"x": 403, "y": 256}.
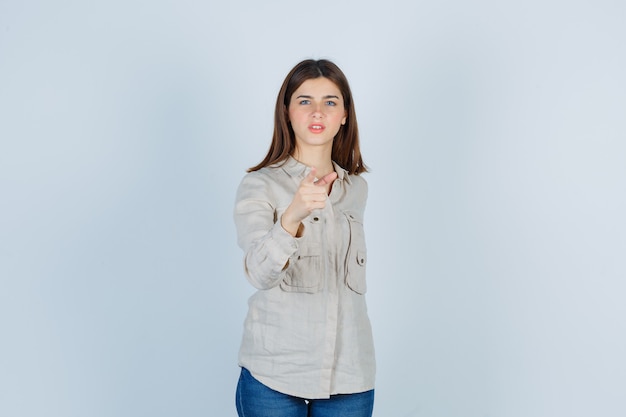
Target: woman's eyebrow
{"x": 325, "y": 97}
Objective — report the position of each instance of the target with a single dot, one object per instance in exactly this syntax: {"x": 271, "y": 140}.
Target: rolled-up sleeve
{"x": 267, "y": 246}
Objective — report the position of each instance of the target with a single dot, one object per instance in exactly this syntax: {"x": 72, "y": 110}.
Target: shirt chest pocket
{"x": 357, "y": 254}
{"x": 304, "y": 273}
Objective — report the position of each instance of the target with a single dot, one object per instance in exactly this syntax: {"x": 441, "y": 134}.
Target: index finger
{"x": 327, "y": 179}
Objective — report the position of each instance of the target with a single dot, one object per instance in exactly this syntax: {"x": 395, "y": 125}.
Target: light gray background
{"x": 495, "y": 132}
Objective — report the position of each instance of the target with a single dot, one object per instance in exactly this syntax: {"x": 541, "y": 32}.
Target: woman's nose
{"x": 317, "y": 111}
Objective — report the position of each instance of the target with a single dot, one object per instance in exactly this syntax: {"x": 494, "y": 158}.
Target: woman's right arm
{"x": 266, "y": 244}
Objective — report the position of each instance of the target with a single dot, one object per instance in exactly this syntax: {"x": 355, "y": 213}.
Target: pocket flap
{"x": 309, "y": 249}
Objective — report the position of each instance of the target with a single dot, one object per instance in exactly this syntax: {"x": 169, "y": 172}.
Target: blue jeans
{"x": 256, "y": 400}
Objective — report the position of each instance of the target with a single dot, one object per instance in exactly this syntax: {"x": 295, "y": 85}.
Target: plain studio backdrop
{"x": 495, "y": 133}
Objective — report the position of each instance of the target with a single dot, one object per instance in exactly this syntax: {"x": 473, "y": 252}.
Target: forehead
{"x": 318, "y": 87}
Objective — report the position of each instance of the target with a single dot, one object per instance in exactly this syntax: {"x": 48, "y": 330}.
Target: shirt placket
{"x": 331, "y": 244}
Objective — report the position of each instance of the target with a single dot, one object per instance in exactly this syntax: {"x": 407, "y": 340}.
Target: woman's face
{"x": 316, "y": 113}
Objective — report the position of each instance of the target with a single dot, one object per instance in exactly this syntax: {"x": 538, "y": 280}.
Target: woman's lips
{"x": 316, "y": 128}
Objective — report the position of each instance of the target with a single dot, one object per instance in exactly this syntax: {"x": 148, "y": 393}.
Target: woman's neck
{"x": 321, "y": 160}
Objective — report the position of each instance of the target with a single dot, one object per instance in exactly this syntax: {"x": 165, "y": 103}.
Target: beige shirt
{"x": 307, "y": 332}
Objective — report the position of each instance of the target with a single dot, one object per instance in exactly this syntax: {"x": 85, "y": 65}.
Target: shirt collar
{"x": 297, "y": 169}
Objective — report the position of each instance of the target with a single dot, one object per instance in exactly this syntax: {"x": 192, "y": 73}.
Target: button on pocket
{"x": 360, "y": 258}
{"x": 357, "y": 255}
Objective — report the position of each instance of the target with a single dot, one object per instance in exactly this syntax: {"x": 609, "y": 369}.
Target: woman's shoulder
{"x": 267, "y": 173}
{"x": 357, "y": 189}
{"x": 263, "y": 180}
{"x": 357, "y": 181}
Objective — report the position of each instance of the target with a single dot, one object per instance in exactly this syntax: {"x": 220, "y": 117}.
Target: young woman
{"x": 307, "y": 348}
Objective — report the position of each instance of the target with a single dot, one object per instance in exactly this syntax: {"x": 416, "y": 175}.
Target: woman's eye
{"x": 305, "y": 102}
{"x": 331, "y": 103}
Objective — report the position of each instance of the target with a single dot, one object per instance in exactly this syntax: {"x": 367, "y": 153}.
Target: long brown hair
{"x": 346, "y": 151}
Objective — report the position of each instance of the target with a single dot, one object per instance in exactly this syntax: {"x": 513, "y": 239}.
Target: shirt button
{"x": 316, "y": 219}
